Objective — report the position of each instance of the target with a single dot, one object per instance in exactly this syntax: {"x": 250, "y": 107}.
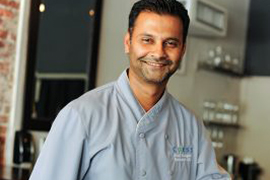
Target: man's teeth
{"x": 155, "y": 64}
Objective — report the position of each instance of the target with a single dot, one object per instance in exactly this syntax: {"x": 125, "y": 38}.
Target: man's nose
{"x": 159, "y": 51}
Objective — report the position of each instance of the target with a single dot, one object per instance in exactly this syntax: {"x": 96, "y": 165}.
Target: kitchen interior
{"x": 52, "y": 52}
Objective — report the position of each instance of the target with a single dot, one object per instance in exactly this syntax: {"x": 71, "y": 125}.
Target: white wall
{"x": 253, "y": 140}
{"x": 114, "y": 24}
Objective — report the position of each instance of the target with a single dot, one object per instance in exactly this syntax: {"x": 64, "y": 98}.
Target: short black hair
{"x": 167, "y": 7}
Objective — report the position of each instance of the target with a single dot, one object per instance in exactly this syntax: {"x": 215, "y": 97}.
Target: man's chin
{"x": 157, "y": 80}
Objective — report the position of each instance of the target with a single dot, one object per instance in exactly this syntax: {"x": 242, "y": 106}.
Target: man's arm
{"x": 64, "y": 155}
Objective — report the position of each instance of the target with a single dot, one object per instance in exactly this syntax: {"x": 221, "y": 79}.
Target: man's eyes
{"x": 171, "y": 43}
{"x": 168, "y": 43}
{"x": 147, "y": 40}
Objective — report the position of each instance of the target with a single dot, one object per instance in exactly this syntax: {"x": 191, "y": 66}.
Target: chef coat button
{"x": 142, "y": 135}
{"x": 166, "y": 136}
{"x": 170, "y": 172}
{"x": 143, "y": 173}
{"x": 216, "y": 176}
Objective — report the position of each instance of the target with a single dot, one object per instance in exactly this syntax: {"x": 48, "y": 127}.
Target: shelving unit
{"x": 219, "y": 70}
{"x": 220, "y": 117}
{"x": 222, "y": 124}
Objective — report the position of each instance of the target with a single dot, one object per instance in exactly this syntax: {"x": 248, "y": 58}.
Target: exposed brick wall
{"x": 9, "y": 12}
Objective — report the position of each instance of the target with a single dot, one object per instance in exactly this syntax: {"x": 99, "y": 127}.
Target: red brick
{"x": 3, "y": 119}
{"x": 13, "y": 37}
{"x": 2, "y": 44}
{"x": 3, "y": 130}
{"x": 6, "y": 13}
{"x": 12, "y": 4}
{"x": 4, "y": 68}
{"x": 2, "y": 149}
{"x": 4, "y": 55}
{"x": 3, "y": 34}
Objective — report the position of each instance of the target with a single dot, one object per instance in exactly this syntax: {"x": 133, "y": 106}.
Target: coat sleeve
{"x": 207, "y": 166}
{"x": 65, "y": 153}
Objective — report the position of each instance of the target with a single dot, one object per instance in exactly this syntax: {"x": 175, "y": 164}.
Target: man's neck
{"x": 148, "y": 94}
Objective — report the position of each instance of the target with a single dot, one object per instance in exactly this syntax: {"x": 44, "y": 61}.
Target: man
{"x": 133, "y": 128}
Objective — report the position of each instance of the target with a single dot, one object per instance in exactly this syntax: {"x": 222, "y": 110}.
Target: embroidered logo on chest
{"x": 182, "y": 153}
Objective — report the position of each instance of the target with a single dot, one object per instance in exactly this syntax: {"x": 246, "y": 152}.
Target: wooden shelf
{"x": 219, "y": 70}
{"x": 222, "y": 124}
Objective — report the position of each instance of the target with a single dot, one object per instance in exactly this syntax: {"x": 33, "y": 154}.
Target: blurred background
{"x": 51, "y": 52}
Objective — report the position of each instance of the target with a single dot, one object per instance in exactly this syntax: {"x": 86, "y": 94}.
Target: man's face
{"x": 155, "y": 47}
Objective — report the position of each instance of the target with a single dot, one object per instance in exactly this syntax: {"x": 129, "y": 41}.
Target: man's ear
{"x": 127, "y": 42}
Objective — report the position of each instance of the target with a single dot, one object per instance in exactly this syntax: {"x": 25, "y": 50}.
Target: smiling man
{"x": 133, "y": 128}
{"x": 155, "y": 44}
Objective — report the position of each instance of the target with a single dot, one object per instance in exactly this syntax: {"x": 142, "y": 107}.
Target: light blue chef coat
{"x": 106, "y": 135}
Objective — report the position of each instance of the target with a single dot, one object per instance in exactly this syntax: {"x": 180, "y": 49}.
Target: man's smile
{"x": 156, "y": 64}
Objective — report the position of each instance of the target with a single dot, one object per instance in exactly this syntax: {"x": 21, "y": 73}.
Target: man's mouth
{"x": 156, "y": 63}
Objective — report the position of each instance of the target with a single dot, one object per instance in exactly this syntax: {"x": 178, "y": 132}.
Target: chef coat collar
{"x": 142, "y": 117}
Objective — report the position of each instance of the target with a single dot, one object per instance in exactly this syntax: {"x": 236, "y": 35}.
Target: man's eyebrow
{"x": 145, "y": 35}
{"x": 150, "y": 35}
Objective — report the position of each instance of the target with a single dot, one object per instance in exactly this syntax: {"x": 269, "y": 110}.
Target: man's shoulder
{"x": 88, "y": 108}
{"x": 95, "y": 93}
{"x": 94, "y": 98}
